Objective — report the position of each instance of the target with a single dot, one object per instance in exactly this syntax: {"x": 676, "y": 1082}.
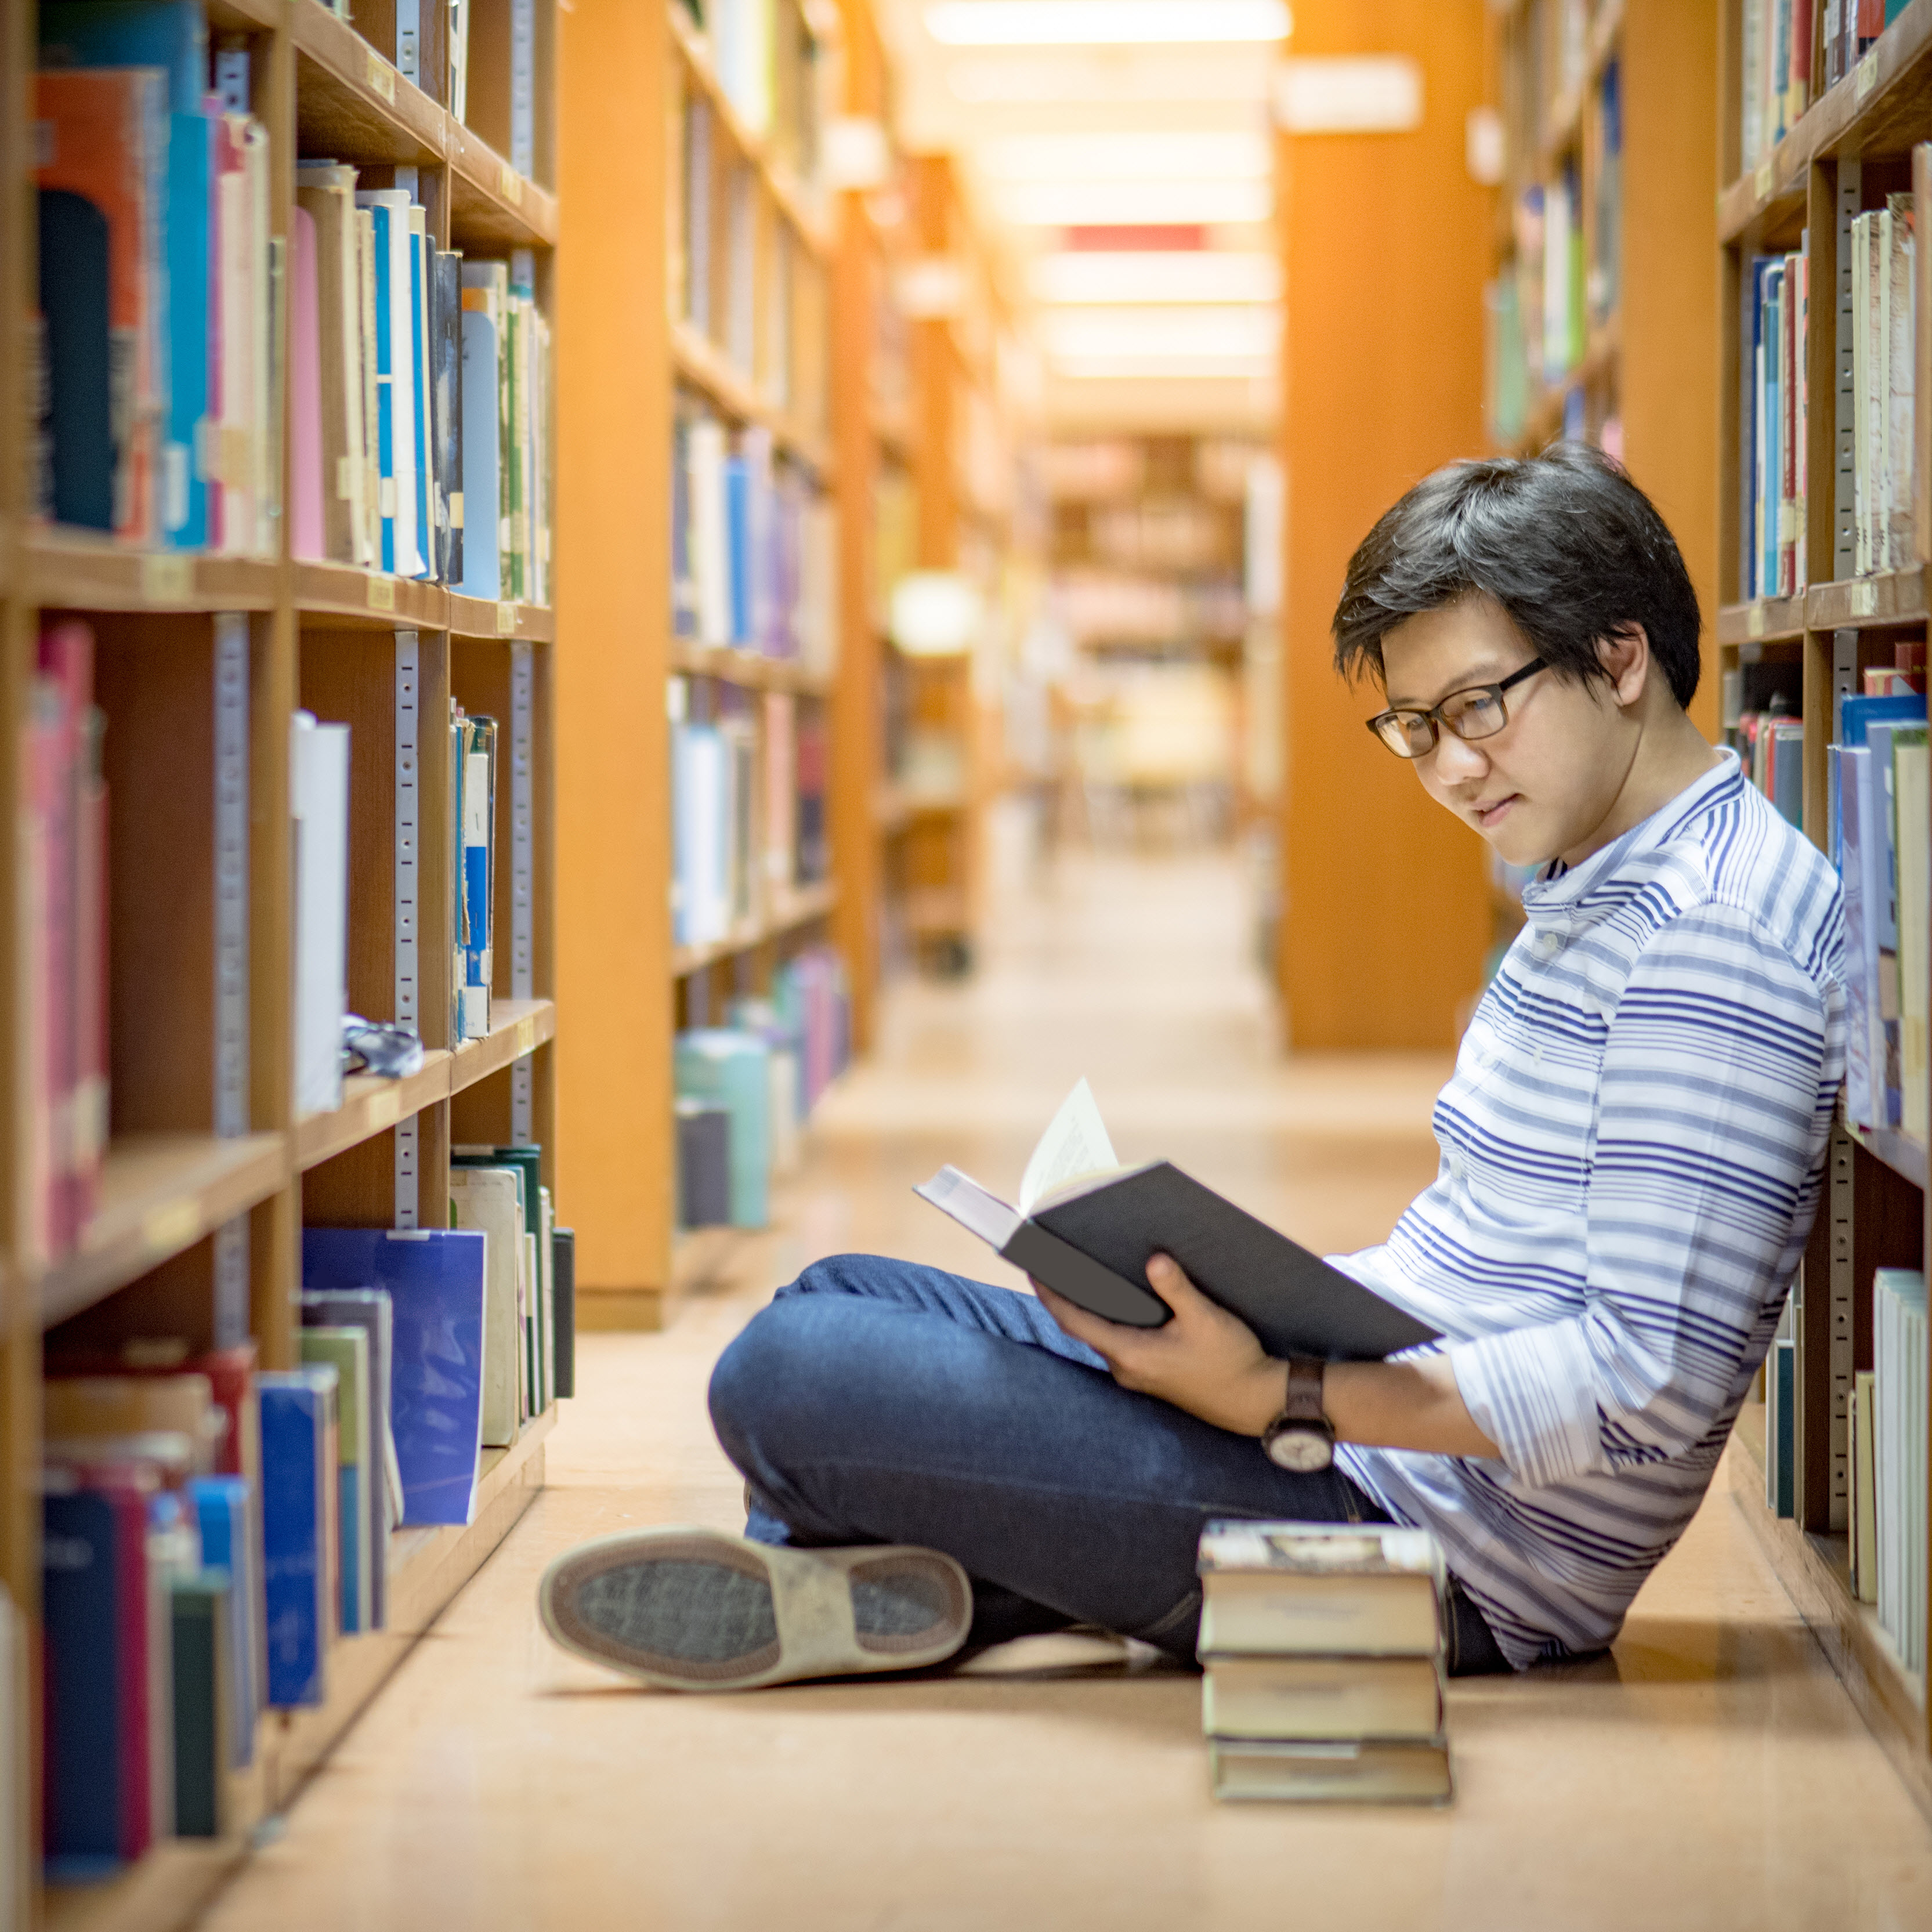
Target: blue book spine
{"x": 86, "y": 1750}
{"x": 481, "y": 576}
{"x": 222, "y": 1514}
{"x": 1782, "y": 1452}
{"x": 348, "y": 1485}
{"x": 1774, "y": 471}
{"x": 171, "y": 34}
{"x": 386, "y": 421}
{"x": 738, "y": 544}
{"x": 293, "y": 1435}
{"x": 184, "y": 488}
{"x": 435, "y": 1277}
{"x": 419, "y": 340}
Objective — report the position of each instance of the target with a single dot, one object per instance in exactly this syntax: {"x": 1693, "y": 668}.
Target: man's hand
{"x": 1209, "y": 1363}
{"x": 1205, "y": 1360}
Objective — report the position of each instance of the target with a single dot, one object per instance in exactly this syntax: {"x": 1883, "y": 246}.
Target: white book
{"x": 318, "y": 772}
{"x": 486, "y": 1199}
{"x": 710, "y": 554}
{"x": 1900, "y": 286}
{"x": 1861, "y": 303}
{"x": 396, "y": 373}
{"x": 485, "y": 291}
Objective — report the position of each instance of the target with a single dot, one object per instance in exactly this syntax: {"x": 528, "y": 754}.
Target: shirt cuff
{"x": 1532, "y": 1392}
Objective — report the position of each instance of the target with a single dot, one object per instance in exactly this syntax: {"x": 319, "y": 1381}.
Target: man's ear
{"x": 1625, "y": 656}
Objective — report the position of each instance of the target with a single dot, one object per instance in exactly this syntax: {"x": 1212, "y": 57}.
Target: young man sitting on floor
{"x": 1632, "y": 1149}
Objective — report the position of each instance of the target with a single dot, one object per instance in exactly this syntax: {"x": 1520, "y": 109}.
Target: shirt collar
{"x": 1554, "y": 903}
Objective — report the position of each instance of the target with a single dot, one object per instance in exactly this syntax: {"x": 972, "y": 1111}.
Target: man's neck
{"x": 1669, "y": 756}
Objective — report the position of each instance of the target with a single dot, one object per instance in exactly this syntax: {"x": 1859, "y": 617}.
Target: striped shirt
{"x": 1633, "y": 1148}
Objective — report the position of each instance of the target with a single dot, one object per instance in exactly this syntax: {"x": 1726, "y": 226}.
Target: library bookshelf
{"x": 202, "y": 661}
{"x": 1850, "y": 147}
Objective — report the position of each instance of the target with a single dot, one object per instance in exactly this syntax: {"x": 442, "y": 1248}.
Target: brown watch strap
{"x": 1304, "y": 1403}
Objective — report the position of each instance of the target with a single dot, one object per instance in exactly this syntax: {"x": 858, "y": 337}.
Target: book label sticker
{"x": 1756, "y": 623}
{"x": 1864, "y": 599}
{"x": 506, "y": 620}
{"x": 167, "y": 1231}
{"x": 509, "y": 185}
{"x": 166, "y": 579}
{"x": 382, "y": 78}
{"x": 1867, "y": 75}
{"x": 382, "y": 593}
{"x": 1764, "y": 180}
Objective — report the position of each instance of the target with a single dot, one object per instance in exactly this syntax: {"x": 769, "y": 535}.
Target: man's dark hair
{"x": 1569, "y": 547}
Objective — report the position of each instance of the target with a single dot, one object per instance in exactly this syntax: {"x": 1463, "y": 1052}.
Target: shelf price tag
{"x": 506, "y": 620}
{"x": 382, "y": 78}
{"x": 166, "y": 578}
{"x": 1756, "y": 624}
{"x": 1867, "y": 77}
{"x": 382, "y": 593}
{"x": 509, "y": 185}
{"x": 167, "y": 1231}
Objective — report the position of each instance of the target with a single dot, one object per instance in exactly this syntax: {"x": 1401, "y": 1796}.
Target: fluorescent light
{"x": 1168, "y": 74}
{"x": 1164, "y": 277}
{"x": 1036, "y": 23}
{"x": 1168, "y": 368}
{"x": 1100, "y": 203}
{"x": 1193, "y": 335}
{"x": 1234, "y": 155}
{"x": 1370, "y": 94}
{"x": 934, "y": 613}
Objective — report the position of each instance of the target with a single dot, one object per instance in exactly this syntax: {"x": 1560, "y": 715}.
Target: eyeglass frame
{"x": 1438, "y": 723}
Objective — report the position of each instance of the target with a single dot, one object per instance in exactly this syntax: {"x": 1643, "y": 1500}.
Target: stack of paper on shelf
{"x": 1323, "y": 1644}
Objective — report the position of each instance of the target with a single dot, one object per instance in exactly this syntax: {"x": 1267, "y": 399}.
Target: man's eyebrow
{"x": 1484, "y": 670}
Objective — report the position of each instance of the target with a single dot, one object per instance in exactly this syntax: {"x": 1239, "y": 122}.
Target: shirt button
{"x": 1548, "y": 945}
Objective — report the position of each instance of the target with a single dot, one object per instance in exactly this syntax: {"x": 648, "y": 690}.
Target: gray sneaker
{"x": 695, "y": 1610}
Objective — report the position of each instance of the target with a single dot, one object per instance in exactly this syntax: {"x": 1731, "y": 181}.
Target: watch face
{"x": 1302, "y": 1451}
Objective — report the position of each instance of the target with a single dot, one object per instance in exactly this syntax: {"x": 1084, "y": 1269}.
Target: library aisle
{"x": 1711, "y": 1773}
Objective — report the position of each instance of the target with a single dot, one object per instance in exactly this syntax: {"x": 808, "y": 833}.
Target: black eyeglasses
{"x": 1477, "y": 713}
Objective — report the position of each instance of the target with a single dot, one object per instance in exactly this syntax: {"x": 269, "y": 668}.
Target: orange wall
{"x": 1385, "y": 918}
{"x": 613, "y": 598}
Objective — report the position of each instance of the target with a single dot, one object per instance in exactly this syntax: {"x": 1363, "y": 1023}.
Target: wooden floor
{"x": 1709, "y": 1774}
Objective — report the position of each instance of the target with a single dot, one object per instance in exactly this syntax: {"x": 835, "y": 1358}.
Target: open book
{"x": 1087, "y": 1227}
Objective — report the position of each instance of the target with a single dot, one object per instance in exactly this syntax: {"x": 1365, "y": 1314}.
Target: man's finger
{"x": 1094, "y": 1329}
{"x": 1169, "y": 1280}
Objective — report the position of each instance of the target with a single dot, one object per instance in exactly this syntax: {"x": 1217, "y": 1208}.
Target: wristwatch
{"x": 1301, "y": 1438}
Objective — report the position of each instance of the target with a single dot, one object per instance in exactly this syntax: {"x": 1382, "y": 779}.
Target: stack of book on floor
{"x": 1323, "y": 1647}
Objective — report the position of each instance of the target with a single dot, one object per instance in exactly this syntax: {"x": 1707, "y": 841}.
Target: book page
{"x": 969, "y": 1203}
{"x": 1074, "y": 1147}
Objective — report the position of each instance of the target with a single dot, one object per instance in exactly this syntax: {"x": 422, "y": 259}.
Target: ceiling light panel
{"x": 1204, "y": 334}
{"x": 1232, "y": 154}
{"x": 1111, "y": 75}
{"x": 1164, "y": 277}
{"x": 1078, "y": 204}
{"x": 1034, "y": 23}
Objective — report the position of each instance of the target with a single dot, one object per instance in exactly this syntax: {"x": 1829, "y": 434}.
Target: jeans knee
{"x": 757, "y": 1380}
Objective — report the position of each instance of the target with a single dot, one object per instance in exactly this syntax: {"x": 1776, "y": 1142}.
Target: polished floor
{"x": 1710, "y": 1774}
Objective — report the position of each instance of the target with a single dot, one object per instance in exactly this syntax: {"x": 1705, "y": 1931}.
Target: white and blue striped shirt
{"x": 1632, "y": 1147}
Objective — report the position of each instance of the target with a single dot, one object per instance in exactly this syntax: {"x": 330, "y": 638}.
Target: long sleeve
{"x": 1699, "y": 1183}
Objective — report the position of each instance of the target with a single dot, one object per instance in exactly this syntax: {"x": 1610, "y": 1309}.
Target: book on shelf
{"x": 319, "y": 782}
{"x": 563, "y": 1310}
{"x": 299, "y": 1528}
{"x": 731, "y": 1070}
{"x": 1322, "y": 1652}
{"x": 1861, "y": 1478}
{"x": 472, "y": 820}
{"x": 346, "y": 1350}
{"x": 488, "y": 1200}
{"x": 1776, "y": 69}
{"x": 1780, "y": 1420}
{"x": 527, "y": 1218}
{"x": 1899, "y": 1459}
{"x": 1087, "y": 1227}
{"x": 1884, "y": 298}
{"x": 1773, "y": 560}
{"x": 65, "y": 799}
{"x": 436, "y": 1281}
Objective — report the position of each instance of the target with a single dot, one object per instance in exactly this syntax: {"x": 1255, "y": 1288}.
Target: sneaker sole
{"x": 694, "y": 1609}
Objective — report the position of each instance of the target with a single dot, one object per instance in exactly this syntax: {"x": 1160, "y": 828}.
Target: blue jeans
{"x": 875, "y": 1401}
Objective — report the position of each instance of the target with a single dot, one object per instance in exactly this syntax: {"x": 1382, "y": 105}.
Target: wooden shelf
{"x": 371, "y": 1105}
{"x": 791, "y": 195}
{"x": 1904, "y": 1153}
{"x": 159, "y": 1193}
{"x": 1858, "y": 603}
{"x": 697, "y": 360}
{"x": 174, "y": 1884}
{"x": 75, "y": 570}
{"x": 353, "y": 104}
{"x": 1880, "y": 107}
{"x": 333, "y": 596}
{"x": 1815, "y": 1575}
{"x": 790, "y": 912}
{"x": 747, "y": 669}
